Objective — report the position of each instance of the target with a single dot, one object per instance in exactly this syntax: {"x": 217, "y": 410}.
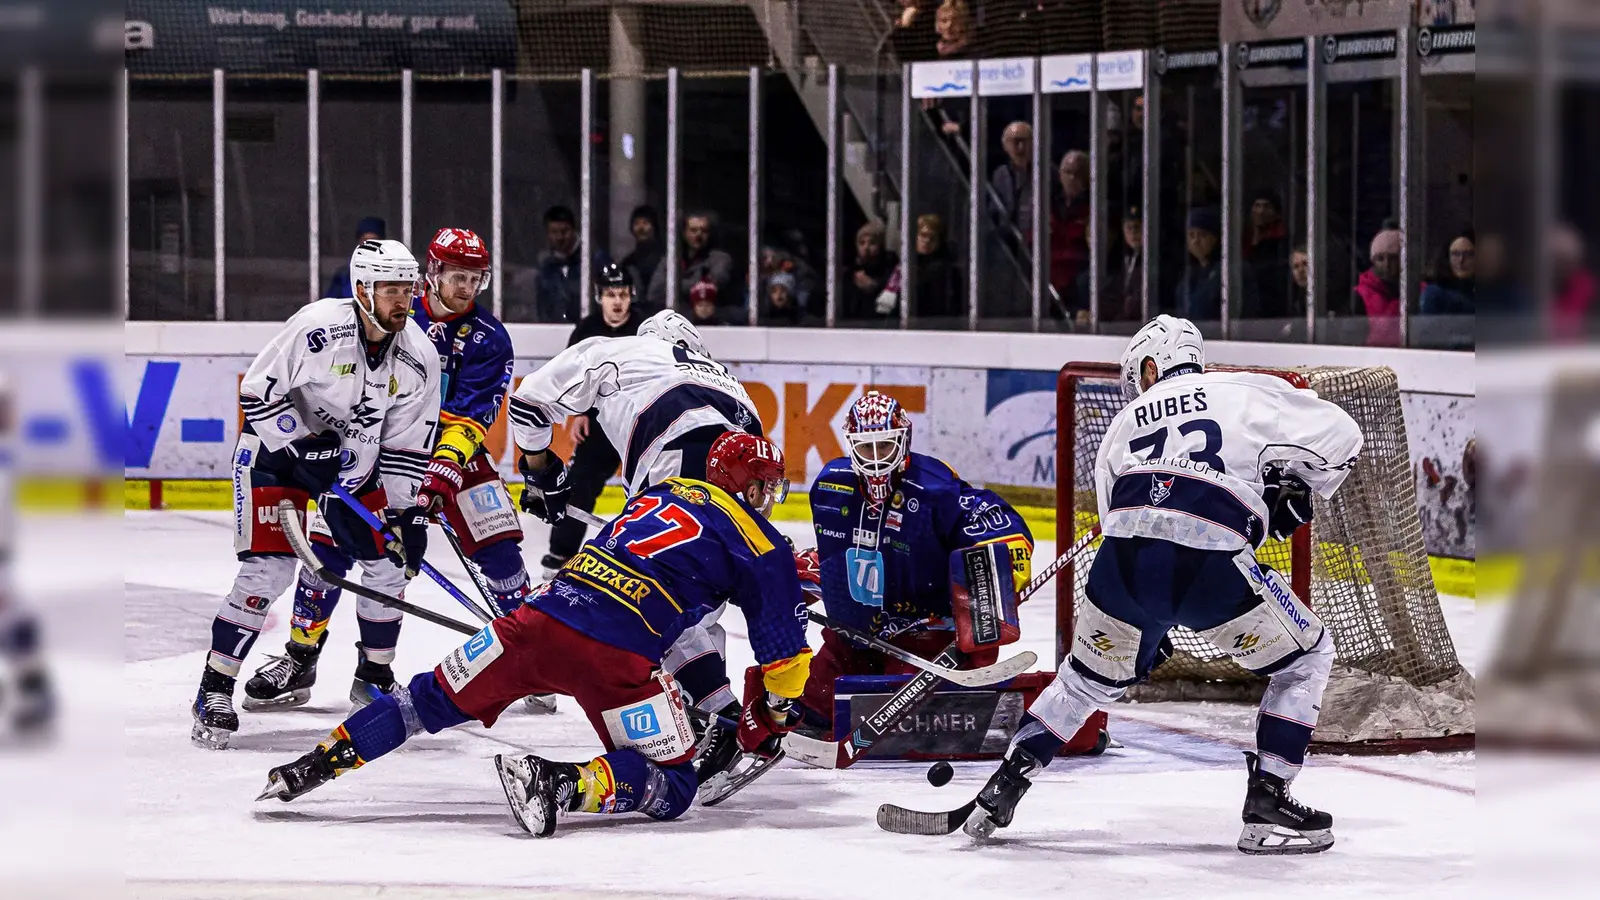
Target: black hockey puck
{"x": 940, "y": 773}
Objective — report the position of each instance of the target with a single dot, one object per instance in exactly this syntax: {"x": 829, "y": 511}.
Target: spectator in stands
{"x": 1199, "y": 293}
{"x": 775, "y": 261}
{"x": 1069, "y": 232}
{"x": 870, "y": 273}
{"x": 1377, "y": 291}
{"x": 1300, "y": 271}
{"x": 558, "y": 291}
{"x": 1266, "y": 252}
{"x": 915, "y": 37}
{"x": 782, "y": 305}
{"x": 1122, "y": 285}
{"x": 1572, "y": 305}
{"x": 938, "y": 287}
{"x": 954, "y": 25}
{"x": 371, "y": 228}
{"x": 1012, "y": 181}
{"x": 641, "y": 263}
{"x": 703, "y": 304}
{"x": 699, "y": 263}
{"x": 1452, "y": 289}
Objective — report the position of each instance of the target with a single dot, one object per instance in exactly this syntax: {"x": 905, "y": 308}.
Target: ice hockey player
{"x": 888, "y": 522}
{"x": 594, "y": 459}
{"x": 599, "y": 633}
{"x": 1192, "y": 476}
{"x": 662, "y": 401}
{"x": 27, "y": 699}
{"x": 347, "y": 392}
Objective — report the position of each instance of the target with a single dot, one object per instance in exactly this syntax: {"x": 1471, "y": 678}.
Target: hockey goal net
{"x": 1397, "y": 684}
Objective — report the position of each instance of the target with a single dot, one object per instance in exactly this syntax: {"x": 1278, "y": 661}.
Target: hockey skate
{"x": 997, "y": 802}
{"x": 311, "y": 771}
{"x": 28, "y": 703}
{"x": 214, "y": 718}
{"x": 549, "y": 565}
{"x": 538, "y": 790}
{"x": 540, "y": 704}
{"x": 1276, "y": 823}
{"x": 372, "y": 680}
{"x": 285, "y": 681}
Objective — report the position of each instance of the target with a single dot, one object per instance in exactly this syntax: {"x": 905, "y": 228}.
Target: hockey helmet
{"x": 878, "y": 431}
{"x": 461, "y": 249}
{"x": 737, "y": 460}
{"x": 1174, "y": 345}
{"x": 612, "y": 276}
{"x": 381, "y": 262}
{"x": 673, "y": 328}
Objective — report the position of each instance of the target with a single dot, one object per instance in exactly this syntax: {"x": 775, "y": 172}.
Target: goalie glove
{"x": 809, "y": 568}
{"x": 1288, "y": 501}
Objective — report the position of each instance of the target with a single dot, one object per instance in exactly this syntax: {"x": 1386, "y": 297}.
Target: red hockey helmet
{"x": 461, "y": 249}
{"x": 738, "y": 460}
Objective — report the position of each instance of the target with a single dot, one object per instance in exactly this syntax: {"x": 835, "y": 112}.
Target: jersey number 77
{"x": 655, "y": 526}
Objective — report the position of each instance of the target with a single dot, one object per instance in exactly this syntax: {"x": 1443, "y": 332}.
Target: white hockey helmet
{"x": 674, "y": 329}
{"x": 1169, "y": 342}
{"x": 382, "y": 261}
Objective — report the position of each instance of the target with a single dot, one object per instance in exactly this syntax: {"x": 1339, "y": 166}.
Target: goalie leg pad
{"x": 983, "y": 596}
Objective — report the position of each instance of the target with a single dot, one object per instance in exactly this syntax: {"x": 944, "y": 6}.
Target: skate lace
{"x": 216, "y": 703}
{"x": 278, "y": 672}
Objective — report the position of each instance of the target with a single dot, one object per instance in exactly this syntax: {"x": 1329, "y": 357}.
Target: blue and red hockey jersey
{"x": 886, "y": 569}
{"x": 679, "y": 550}
{"x": 475, "y": 361}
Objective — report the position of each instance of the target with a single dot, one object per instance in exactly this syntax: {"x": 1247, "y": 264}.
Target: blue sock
{"x": 641, "y": 785}
{"x": 502, "y": 566}
{"x": 1040, "y": 742}
{"x": 1287, "y": 740}
{"x": 389, "y": 720}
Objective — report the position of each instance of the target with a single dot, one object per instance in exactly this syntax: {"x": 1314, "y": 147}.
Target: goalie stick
{"x": 842, "y": 754}
{"x": 302, "y": 548}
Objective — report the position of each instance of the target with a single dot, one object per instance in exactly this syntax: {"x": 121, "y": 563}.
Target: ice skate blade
{"x": 209, "y": 738}
{"x": 516, "y": 779}
{"x": 275, "y": 788}
{"x": 362, "y": 693}
{"x": 540, "y": 704}
{"x": 1271, "y": 840}
{"x": 285, "y": 701}
{"x": 979, "y": 826}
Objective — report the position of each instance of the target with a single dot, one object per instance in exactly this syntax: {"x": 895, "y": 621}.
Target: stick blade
{"x": 1004, "y": 670}
{"x": 899, "y": 820}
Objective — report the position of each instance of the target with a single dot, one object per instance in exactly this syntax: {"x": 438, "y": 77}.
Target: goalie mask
{"x": 386, "y": 263}
{"x": 1173, "y": 344}
{"x": 878, "y": 432}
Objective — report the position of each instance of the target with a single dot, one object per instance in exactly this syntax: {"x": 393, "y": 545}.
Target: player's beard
{"x": 395, "y": 321}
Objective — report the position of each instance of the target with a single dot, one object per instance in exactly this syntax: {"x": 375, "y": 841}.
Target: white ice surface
{"x": 1155, "y": 818}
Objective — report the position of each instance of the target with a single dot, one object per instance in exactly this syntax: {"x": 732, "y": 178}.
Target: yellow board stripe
{"x": 754, "y": 537}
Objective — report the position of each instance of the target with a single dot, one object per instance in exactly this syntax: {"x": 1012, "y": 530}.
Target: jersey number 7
{"x": 644, "y": 515}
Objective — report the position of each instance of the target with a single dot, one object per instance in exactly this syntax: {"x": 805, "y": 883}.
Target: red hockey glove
{"x": 809, "y": 568}
{"x": 440, "y": 483}
{"x": 760, "y": 723}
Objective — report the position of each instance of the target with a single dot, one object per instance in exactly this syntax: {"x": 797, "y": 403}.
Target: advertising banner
{"x": 953, "y": 78}
{"x": 1261, "y": 20}
{"x": 995, "y": 427}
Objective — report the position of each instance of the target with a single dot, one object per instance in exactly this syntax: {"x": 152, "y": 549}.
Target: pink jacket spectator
{"x": 1382, "y": 304}
{"x": 1572, "y": 305}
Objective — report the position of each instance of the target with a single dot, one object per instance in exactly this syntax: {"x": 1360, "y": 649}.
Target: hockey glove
{"x": 440, "y": 483}
{"x": 545, "y": 494}
{"x": 1288, "y": 502}
{"x": 765, "y": 719}
{"x": 809, "y": 568}
{"x": 316, "y": 462}
{"x": 410, "y": 527}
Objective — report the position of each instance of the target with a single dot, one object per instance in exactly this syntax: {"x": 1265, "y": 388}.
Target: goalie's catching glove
{"x": 1288, "y": 501}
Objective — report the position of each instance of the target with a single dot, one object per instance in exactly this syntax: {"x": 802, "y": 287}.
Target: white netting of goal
{"x": 1397, "y": 683}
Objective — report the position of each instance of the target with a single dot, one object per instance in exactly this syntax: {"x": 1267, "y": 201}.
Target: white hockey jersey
{"x": 646, "y": 391}
{"x": 316, "y": 376}
{"x": 1183, "y": 461}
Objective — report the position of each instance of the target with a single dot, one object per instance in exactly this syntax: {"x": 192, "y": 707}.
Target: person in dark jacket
{"x": 594, "y": 460}
{"x": 870, "y": 274}
{"x": 1069, "y": 233}
{"x": 559, "y": 285}
{"x": 641, "y": 263}
{"x": 1199, "y": 294}
{"x": 371, "y": 228}
{"x": 1453, "y": 291}
{"x": 781, "y": 304}
{"x": 1266, "y": 252}
{"x": 938, "y": 290}
{"x": 699, "y": 262}
{"x": 1122, "y": 282}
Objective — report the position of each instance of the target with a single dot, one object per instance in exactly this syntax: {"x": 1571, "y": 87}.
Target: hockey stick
{"x": 479, "y": 580}
{"x": 289, "y": 518}
{"x": 372, "y": 520}
{"x": 843, "y": 753}
{"x": 1005, "y": 670}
